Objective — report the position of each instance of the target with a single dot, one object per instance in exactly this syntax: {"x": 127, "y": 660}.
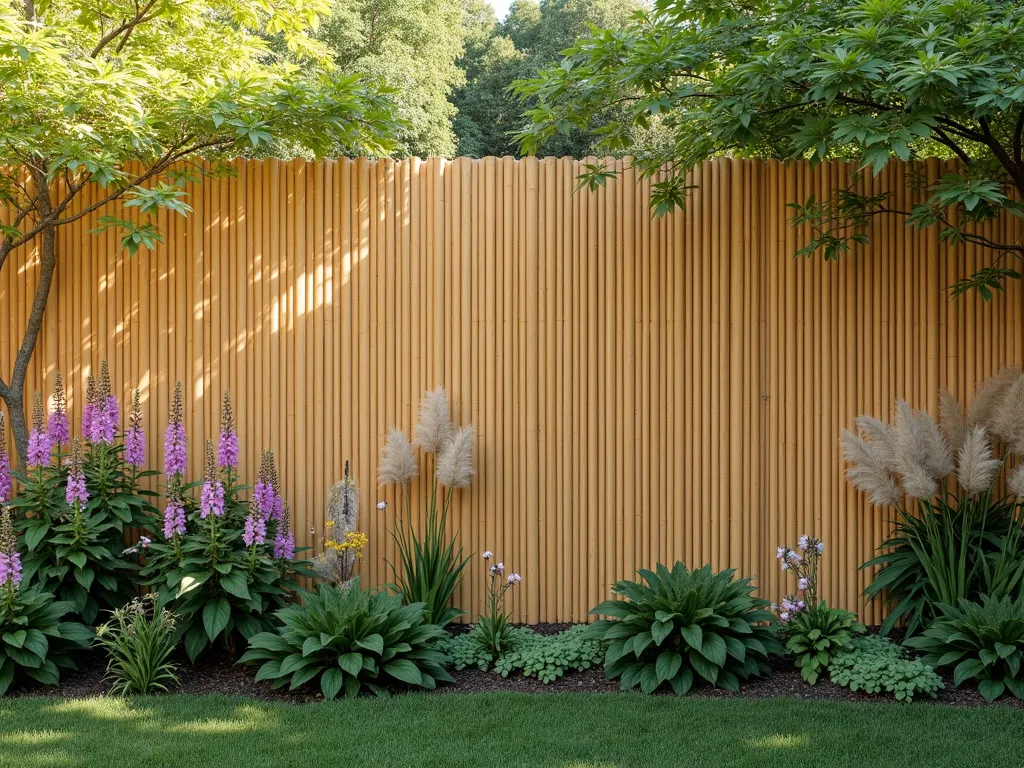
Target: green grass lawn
{"x": 503, "y": 730}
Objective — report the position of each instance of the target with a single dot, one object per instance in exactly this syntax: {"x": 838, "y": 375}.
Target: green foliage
{"x": 856, "y": 80}
{"x": 216, "y": 586}
{"x": 681, "y": 626}
{"x": 34, "y": 639}
{"x": 76, "y": 553}
{"x": 412, "y": 47}
{"x": 350, "y": 639}
{"x": 956, "y": 548}
{"x": 494, "y": 627}
{"x": 500, "y": 52}
{"x": 980, "y": 641}
{"x": 139, "y": 640}
{"x": 874, "y": 664}
{"x": 817, "y": 634}
{"x": 546, "y": 657}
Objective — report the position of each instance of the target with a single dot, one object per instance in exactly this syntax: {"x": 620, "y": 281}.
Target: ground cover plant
{"x": 577, "y": 730}
{"x": 349, "y": 640}
{"x": 875, "y": 665}
{"x": 680, "y": 627}
{"x": 546, "y": 657}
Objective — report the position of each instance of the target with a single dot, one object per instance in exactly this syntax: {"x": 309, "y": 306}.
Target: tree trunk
{"x": 14, "y": 393}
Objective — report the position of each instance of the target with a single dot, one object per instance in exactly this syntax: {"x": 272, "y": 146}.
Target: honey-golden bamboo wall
{"x": 643, "y": 390}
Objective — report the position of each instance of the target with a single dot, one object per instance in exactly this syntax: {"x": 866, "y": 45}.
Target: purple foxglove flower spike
{"x": 6, "y": 485}
{"x": 90, "y": 411}
{"x": 135, "y": 437}
{"x": 39, "y": 446}
{"x": 227, "y": 448}
{"x": 174, "y": 519}
{"x": 175, "y": 440}
{"x": 59, "y": 428}
{"x": 75, "y": 491}
{"x": 211, "y": 499}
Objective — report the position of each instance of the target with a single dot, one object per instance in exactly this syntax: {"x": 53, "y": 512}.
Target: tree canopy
{"x": 863, "y": 80}
{"x": 125, "y": 95}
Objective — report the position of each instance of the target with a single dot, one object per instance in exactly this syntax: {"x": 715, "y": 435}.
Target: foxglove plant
{"x": 135, "y": 437}
{"x": 107, "y": 415}
{"x": 6, "y": 483}
{"x": 39, "y": 446}
{"x": 59, "y": 429}
{"x": 90, "y": 411}
{"x": 961, "y": 541}
{"x": 227, "y": 447}
{"x": 429, "y": 568}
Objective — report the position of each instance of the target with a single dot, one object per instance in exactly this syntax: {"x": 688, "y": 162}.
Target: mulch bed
{"x": 221, "y": 676}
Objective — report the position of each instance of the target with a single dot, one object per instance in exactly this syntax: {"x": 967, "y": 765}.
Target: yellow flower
{"x": 330, "y": 523}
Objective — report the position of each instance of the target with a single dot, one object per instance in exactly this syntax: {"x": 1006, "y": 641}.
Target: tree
{"x": 128, "y": 96}
{"x": 500, "y": 53}
{"x": 412, "y": 47}
{"x": 866, "y": 80}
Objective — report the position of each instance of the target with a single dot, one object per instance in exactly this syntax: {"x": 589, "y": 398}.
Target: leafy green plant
{"x": 139, "y": 640}
{"x": 348, "y": 640}
{"x": 34, "y": 639}
{"x": 546, "y": 657}
{"x": 874, "y": 664}
{"x": 816, "y": 635}
{"x": 221, "y": 564}
{"x": 961, "y": 541}
{"x": 429, "y": 567}
{"x": 981, "y": 641}
{"x": 680, "y": 626}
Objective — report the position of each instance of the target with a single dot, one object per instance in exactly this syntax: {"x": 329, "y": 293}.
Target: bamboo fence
{"x": 643, "y": 389}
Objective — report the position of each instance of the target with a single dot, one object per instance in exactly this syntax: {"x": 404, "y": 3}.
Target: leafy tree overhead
{"x": 865, "y": 80}
{"x": 126, "y": 96}
{"x": 499, "y": 53}
{"x": 412, "y": 46}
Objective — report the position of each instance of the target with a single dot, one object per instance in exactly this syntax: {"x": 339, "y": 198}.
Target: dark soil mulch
{"x": 221, "y": 676}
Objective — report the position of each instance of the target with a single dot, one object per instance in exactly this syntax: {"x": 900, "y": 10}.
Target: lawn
{"x": 567, "y": 731}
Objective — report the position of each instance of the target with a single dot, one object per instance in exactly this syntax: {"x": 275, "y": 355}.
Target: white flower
{"x": 803, "y": 543}
{"x": 382, "y": 505}
{"x": 514, "y": 578}
{"x": 145, "y": 541}
{"x": 487, "y": 555}
{"x": 785, "y": 566}
{"x": 780, "y": 553}
{"x": 494, "y": 569}
{"x": 820, "y": 547}
{"x": 500, "y": 567}
{"x": 801, "y": 584}
{"x": 784, "y": 616}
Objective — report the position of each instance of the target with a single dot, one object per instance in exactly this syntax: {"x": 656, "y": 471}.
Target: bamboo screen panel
{"x": 643, "y": 390}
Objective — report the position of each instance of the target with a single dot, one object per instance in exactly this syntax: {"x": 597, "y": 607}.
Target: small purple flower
{"x": 175, "y": 440}
{"x": 263, "y": 497}
{"x": 39, "y": 445}
{"x": 105, "y": 416}
{"x": 820, "y": 547}
{"x": 801, "y": 584}
{"x": 802, "y": 543}
{"x": 284, "y": 545}
{"x": 135, "y": 437}
{"x": 255, "y": 529}
{"x": 174, "y": 519}
{"x": 90, "y": 411}
{"x": 145, "y": 541}
{"x": 514, "y": 578}
{"x": 10, "y": 568}
{"x": 75, "y": 491}
{"x": 58, "y": 427}
{"x": 108, "y": 420}
{"x": 784, "y": 616}
{"x": 227, "y": 448}
{"x": 212, "y": 499}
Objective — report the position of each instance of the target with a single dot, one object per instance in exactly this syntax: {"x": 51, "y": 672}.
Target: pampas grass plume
{"x": 1007, "y": 417}
{"x": 434, "y": 429}
{"x": 988, "y": 396}
{"x": 868, "y": 471}
{"x": 455, "y": 465}
{"x": 398, "y": 463}
{"x": 1016, "y": 483}
{"x": 951, "y": 420}
{"x": 977, "y": 467}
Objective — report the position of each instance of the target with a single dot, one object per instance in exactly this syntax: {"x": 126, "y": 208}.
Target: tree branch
{"x": 125, "y": 28}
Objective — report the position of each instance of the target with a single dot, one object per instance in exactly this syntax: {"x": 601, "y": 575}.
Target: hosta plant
{"x": 347, "y": 640}
{"x": 35, "y": 641}
{"x": 220, "y": 564}
{"x": 981, "y": 642}
{"x": 139, "y": 640}
{"x": 956, "y": 538}
{"x": 680, "y": 626}
{"x": 429, "y": 567}
{"x": 876, "y": 665}
{"x": 816, "y": 635}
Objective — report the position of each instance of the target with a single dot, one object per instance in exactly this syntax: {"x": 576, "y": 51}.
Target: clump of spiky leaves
{"x": 139, "y": 639}
{"x": 980, "y": 641}
{"x": 343, "y": 545}
{"x": 680, "y": 626}
{"x": 348, "y": 640}
{"x": 961, "y": 541}
{"x": 817, "y": 634}
{"x": 429, "y": 567}
{"x": 876, "y": 665}
{"x": 35, "y": 641}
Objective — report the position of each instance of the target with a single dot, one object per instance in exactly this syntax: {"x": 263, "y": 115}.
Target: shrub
{"x": 139, "y": 639}
{"x": 816, "y": 635}
{"x": 979, "y": 641}
{"x": 221, "y": 565}
{"x": 429, "y": 567}
{"x": 494, "y": 627}
{"x": 34, "y": 641}
{"x": 75, "y": 552}
{"x": 962, "y": 541}
{"x": 350, "y": 639}
{"x": 873, "y": 664}
{"x": 682, "y": 625}
{"x": 546, "y": 657}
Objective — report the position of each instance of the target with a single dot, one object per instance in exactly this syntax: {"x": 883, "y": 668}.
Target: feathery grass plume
{"x": 434, "y": 429}
{"x": 1016, "y": 483}
{"x": 398, "y": 463}
{"x": 1007, "y": 418}
{"x": 881, "y": 438}
{"x": 912, "y": 457}
{"x": 951, "y": 420}
{"x": 937, "y": 456}
{"x": 868, "y": 472}
{"x": 455, "y": 466}
{"x": 976, "y": 466}
{"x": 988, "y": 395}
